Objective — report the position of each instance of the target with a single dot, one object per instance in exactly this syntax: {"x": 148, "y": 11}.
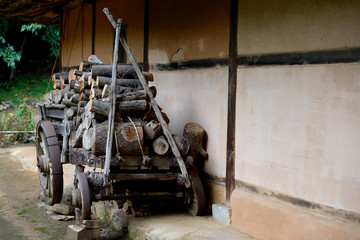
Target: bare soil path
{"x": 20, "y": 216}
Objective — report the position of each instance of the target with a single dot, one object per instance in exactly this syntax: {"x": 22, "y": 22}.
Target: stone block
{"x": 75, "y": 232}
{"x": 222, "y": 213}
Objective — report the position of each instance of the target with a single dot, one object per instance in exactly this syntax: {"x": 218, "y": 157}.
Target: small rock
{"x": 49, "y": 212}
{"x": 62, "y": 217}
{"x": 63, "y": 209}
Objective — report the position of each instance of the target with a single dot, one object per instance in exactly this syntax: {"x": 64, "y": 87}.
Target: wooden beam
{"x": 231, "y": 119}
{"x": 146, "y": 37}
{"x": 93, "y": 28}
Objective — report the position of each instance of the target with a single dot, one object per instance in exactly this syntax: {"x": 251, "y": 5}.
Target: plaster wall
{"x": 197, "y": 96}
{"x": 279, "y": 26}
{"x": 188, "y": 30}
{"x": 298, "y": 129}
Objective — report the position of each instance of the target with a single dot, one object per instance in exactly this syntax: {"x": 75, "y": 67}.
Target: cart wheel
{"x": 197, "y": 204}
{"x": 48, "y": 162}
{"x": 80, "y": 196}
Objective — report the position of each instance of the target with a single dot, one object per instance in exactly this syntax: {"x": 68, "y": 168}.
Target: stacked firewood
{"x": 79, "y": 108}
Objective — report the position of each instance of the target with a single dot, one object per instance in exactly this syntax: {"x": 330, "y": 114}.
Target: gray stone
{"x": 62, "y": 209}
{"x": 222, "y": 213}
{"x": 76, "y": 232}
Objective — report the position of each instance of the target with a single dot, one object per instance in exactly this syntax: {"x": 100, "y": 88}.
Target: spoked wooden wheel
{"x": 197, "y": 205}
{"x": 80, "y": 196}
{"x": 48, "y": 162}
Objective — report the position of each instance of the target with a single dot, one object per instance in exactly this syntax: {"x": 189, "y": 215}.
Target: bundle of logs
{"x": 79, "y": 108}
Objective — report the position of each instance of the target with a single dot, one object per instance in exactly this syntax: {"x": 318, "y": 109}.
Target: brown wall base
{"x": 267, "y": 219}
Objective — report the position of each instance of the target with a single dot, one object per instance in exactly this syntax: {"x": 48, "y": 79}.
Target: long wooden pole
{"x": 109, "y": 140}
{"x": 230, "y": 146}
{"x": 154, "y": 104}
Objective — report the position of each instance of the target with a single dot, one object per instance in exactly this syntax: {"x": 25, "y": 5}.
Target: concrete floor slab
{"x": 181, "y": 226}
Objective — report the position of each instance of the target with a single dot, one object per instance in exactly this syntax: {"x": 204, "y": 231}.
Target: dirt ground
{"x": 20, "y": 215}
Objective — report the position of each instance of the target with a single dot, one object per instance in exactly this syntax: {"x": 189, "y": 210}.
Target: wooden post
{"x": 146, "y": 37}
{"x": 154, "y": 104}
{"x": 231, "y": 119}
{"x": 109, "y": 140}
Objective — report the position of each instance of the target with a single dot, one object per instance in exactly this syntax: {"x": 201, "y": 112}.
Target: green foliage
{"x": 27, "y": 90}
{"x": 51, "y": 35}
{"x": 8, "y": 54}
{"x": 22, "y": 212}
{"x": 32, "y": 27}
{"x": 20, "y": 119}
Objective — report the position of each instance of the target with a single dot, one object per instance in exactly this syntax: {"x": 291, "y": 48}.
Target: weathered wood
{"x": 87, "y": 139}
{"x": 152, "y": 130}
{"x": 80, "y": 156}
{"x": 195, "y": 134}
{"x": 151, "y": 115}
{"x": 68, "y": 103}
{"x": 68, "y": 94}
{"x": 57, "y": 84}
{"x": 105, "y": 70}
{"x": 88, "y": 121}
{"x": 84, "y": 97}
{"x": 59, "y": 128}
{"x": 70, "y": 112}
{"x": 85, "y": 66}
{"x": 161, "y": 145}
{"x": 59, "y": 94}
{"x": 54, "y": 112}
{"x": 153, "y": 103}
{"x": 73, "y": 142}
{"x": 133, "y": 83}
{"x": 69, "y": 127}
{"x": 75, "y": 98}
{"x": 148, "y": 76}
{"x": 110, "y": 132}
{"x": 103, "y": 108}
{"x": 182, "y": 143}
{"x": 126, "y": 135}
{"x": 64, "y": 75}
{"x": 96, "y": 92}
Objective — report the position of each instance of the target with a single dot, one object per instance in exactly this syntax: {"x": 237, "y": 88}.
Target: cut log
{"x": 161, "y": 145}
{"x": 85, "y": 66}
{"x": 152, "y": 130}
{"x": 70, "y": 112}
{"x": 182, "y": 143}
{"x": 75, "y": 98}
{"x": 88, "y": 121}
{"x": 103, "y": 108}
{"x": 73, "y": 142}
{"x": 87, "y": 139}
{"x": 195, "y": 134}
{"x": 68, "y": 94}
{"x": 68, "y": 103}
{"x": 126, "y": 137}
{"x": 133, "y": 83}
{"x": 64, "y": 75}
{"x": 76, "y": 141}
{"x": 123, "y": 71}
{"x": 148, "y": 76}
{"x": 69, "y": 127}
{"x": 57, "y": 84}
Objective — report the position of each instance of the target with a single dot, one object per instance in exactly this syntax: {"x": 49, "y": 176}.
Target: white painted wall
{"x": 197, "y": 96}
{"x": 298, "y": 131}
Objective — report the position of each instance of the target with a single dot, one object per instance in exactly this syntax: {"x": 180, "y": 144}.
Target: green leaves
{"x": 8, "y": 54}
{"x": 33, "y": 27}
{"x": 51, "y": 35}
